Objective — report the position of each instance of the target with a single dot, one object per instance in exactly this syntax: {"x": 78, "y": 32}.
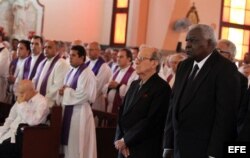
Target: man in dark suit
{"x": 244, "y": 126}
{"x": 142, "y": 116}
{"x": 206, "y": 95}
{"x": 228, "y": 49}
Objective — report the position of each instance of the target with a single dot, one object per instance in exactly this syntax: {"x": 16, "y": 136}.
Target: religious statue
{"x": 19, "y": 8}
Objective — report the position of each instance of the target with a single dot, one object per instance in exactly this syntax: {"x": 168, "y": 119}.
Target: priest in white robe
{"x": 50, "y": 73}
{"x": 102, "y": 72}
{"x": 4, "y": 68}
{"x": 23, "y": 51}
{"x": 116, "y": 89}
{"x": 78, "y": 92}
{"x": 31, "y": 64}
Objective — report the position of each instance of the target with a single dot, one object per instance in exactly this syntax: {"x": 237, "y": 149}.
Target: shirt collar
{"x": 94, "y": 61}
{"x": 202, "y": 62}
{"x": 33, "y": 98}
{"x": 125, "y": 69}
{"x": 51, "y": 59}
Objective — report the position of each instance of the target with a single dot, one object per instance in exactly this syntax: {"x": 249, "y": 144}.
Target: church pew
{"x": 105, "y": 119}
{"x": 4, "y": 111}
{"x": 105, "y": 133}
{"x": 43, "y": 141}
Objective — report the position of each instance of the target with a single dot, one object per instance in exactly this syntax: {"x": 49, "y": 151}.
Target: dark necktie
{"x": 193, "y": 73}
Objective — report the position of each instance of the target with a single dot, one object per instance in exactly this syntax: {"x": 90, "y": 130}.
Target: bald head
{"x": 77, "y": 42}
{"x": 107, "y": 54}
{"x": 95, "y": 45}
{"x": 26, "y": 89}
{"x": 50, "y": 49}
{"x": 26, "y": 85}
{"x": 93, "y": 50}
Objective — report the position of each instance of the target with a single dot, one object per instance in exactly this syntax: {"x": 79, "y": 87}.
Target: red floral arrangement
{"x": 31, "y": 34}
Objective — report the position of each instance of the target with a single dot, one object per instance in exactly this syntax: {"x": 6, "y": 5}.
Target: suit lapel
{"x": 200, "y": 78}
{"x": 180, "y": 83}
{"x": 133, "y": 96}
{"x": 137, "y": 97}
{"x": 183, "y": 78}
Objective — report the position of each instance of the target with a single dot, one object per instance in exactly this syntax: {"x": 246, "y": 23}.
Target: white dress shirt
{"x": 33, "y": 112}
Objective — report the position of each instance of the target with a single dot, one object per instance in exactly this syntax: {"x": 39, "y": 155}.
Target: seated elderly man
{"x": 31, "y": 108}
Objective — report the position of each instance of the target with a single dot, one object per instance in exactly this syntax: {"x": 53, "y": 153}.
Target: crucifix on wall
{"x": 192, "y": 15}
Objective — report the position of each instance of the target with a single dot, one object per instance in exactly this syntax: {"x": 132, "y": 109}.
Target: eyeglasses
{"x": 140, "y": 59}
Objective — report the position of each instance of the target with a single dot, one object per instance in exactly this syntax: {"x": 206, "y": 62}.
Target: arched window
{"x": 235, "y": 24}
{"x": 119, "y": 23}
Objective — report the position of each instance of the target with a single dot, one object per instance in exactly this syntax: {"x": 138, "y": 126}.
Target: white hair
{"x": 230, "y": 45}
{"x": 180, "y": 56}
{"x": 156, "y": 55}
{"x": 207, "y": 32}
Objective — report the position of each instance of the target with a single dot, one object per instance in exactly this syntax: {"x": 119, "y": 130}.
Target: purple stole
{"x": 43, "y": 87}
{"x": 97, "y": 66}
{"x": 13, "y": 65}
{"x": 27, "y": 63}
{"x": 118, "y": 100}
{"x": 68, "y": 111}
{"x": 116, "y": 67}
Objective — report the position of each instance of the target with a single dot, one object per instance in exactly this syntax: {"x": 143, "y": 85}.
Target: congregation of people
{"x": 180, "y": 105}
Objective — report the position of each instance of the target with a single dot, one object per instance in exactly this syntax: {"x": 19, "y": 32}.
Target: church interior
{"x": 111, "y": 24}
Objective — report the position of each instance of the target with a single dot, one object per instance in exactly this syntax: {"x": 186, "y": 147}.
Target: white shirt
{"x": 201, "y": 63}
{"x": 33, "y": 112}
